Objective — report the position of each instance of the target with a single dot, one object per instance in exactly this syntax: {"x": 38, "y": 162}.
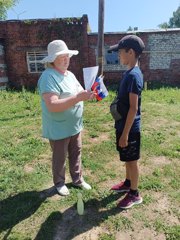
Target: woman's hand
{"x": 86, "y": 95}
{"x": 56, "y": 104}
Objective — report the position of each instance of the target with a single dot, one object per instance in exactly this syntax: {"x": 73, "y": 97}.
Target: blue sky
{"x": 118, "y": 15}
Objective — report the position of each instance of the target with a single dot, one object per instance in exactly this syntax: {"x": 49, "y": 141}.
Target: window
{"x": 112, "y": 62}
{"x": 112, "y": 58}
{"x": 34, "y": 61}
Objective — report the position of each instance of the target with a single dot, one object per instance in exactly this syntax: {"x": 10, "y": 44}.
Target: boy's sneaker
{"x": 83, "y": 185}
{"x": 120, "y": 187}
{"x": 63, "y": 190}
{"x": 129, "y": 201}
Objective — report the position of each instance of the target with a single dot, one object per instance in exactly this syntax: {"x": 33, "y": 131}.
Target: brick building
{"x": 23, "y": 44}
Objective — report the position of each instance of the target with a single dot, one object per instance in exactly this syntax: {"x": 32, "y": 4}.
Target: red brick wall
{"x": 153, "y": 73}
{"x": 23, "y": 36}
{"x": 20, "y": 37}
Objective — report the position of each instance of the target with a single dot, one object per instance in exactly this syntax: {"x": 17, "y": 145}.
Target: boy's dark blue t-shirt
{"x": 132, "y": 82}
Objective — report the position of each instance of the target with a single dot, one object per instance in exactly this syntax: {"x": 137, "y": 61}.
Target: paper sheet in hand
{"x": 90, "y": 74}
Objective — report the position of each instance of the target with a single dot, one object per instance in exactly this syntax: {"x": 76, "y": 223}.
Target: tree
{"x": 4, "y": 6}
{"x": 163, "y": 25}
{"x": 174, "y": 22}
{"x": 129, "y": 28}
{"x": 132, "y": 29}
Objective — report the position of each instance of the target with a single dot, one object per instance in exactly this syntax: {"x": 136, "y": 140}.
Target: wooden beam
{"x": 100, "y": 52}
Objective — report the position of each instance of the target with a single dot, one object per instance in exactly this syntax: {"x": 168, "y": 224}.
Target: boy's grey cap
{"x": 129, "y": 41}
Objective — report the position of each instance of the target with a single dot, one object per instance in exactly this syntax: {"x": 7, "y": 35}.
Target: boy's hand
{"x": 123, "y": 141}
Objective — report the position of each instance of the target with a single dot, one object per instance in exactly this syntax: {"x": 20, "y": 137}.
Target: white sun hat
{"x": 56, "y": 48}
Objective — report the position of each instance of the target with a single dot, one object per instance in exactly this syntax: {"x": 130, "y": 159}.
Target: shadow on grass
{"x": 21, "y": 206}
{"x": 68, "y": 224}
{"x": 59, "y": 226}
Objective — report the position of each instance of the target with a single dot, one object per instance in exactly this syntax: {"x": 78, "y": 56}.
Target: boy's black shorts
{"x": 132, "y": 151}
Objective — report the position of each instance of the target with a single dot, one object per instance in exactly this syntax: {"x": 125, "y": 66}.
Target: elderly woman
{"x": 62, "y": 99}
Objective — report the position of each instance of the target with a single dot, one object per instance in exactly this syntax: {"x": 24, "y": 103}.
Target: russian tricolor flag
{"x": 99, "y": 88}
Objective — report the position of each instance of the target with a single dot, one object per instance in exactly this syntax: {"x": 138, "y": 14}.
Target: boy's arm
{"x": 133, "y": 102}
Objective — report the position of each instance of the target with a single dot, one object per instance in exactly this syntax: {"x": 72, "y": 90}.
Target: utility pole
{"x": 100, "y": 52}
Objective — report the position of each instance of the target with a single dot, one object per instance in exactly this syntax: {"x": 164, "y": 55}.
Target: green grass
{"x": 31, "y": 209}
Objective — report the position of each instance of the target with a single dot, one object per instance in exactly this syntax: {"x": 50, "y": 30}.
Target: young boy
{"x": 127, "y": 128}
